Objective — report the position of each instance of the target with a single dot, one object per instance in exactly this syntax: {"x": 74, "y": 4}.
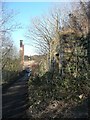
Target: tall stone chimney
{"x": 21, "y": 55}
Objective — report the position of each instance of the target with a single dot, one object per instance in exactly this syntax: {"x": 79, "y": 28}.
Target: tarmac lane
{"x": 15, "y": 99}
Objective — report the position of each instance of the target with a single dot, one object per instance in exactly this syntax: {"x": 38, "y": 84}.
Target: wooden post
{"x": 21, "y": 55}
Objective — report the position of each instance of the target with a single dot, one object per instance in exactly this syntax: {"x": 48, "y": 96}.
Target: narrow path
{"x": 15, "y": 99}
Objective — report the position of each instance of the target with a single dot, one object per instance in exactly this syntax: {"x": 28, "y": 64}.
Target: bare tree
{"x": 80, "y": 23}
{"x": 7, "y": 26}
{"x": 44, "y": 30}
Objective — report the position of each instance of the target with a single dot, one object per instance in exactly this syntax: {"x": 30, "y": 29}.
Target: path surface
{"x": 15, "y": 99}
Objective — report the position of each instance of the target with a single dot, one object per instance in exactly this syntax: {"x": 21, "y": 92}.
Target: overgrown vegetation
{"x": 53, "y": 97}
{"x": 9, "y": 54}
{"x": 65, "y": 93}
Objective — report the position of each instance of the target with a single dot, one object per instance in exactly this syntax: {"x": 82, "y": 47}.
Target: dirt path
{"x": 15, "y": 99}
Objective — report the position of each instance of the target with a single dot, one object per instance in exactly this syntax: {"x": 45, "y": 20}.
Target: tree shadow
{"x": 14, "y": 76}
{"x": 15, "y": 98}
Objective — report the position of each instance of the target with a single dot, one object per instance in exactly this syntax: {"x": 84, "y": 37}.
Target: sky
{"x": 25, "y": 12}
